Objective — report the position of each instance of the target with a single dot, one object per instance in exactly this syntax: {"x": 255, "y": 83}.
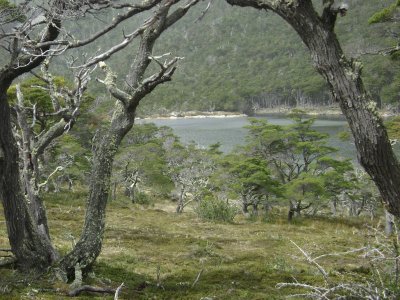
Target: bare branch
{"x": 204, "y": 12}
{"x": 58, "y": 169}
{"x": 312, "y": 261}
{"x": 118, "y": 290}
{"x": 197, "y": 278}
{"x": 133, "y": 10}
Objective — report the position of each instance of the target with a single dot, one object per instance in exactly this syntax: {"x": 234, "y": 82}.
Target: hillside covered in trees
{"x": 237, "y": 59}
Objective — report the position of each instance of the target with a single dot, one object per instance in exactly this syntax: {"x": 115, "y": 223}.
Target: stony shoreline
{"x": 196, "y": 115}
{"x": 331, "y": 112}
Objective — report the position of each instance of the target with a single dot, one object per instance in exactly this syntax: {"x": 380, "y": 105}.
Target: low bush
{"x": 212, "y": 209}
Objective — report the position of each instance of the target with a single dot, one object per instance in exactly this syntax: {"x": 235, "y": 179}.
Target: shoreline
{"x": 194, "y": 115}
{"x": 328, "y": 112}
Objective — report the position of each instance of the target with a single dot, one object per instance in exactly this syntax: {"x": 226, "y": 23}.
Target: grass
{"x": 242, "y": 260}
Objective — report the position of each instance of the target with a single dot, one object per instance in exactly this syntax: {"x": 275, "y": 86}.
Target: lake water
{"x": 230, "y": 132}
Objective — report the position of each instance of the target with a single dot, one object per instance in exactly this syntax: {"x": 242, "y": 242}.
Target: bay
{"x": 230, "y": 131}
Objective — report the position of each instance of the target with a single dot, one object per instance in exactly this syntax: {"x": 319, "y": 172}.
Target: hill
{"x": 236, "y": 59}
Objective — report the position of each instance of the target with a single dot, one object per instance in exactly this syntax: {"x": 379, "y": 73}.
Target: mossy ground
{"x": 242, "y": 260}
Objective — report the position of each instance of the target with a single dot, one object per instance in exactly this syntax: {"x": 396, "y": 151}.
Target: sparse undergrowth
{"x": 158, "y": 254}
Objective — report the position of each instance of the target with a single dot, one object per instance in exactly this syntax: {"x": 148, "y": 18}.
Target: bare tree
{"x": 190, "y": 169}
{"x": 344, "y": 78}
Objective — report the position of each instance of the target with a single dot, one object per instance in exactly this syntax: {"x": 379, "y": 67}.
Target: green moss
{"x": 385, "y": 14}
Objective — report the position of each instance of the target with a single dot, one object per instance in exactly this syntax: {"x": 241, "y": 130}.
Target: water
{"x": 229, "y": 132}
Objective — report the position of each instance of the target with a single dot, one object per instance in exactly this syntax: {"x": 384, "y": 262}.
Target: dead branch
{"x": 204, "y": 12}
{"x": 197, "y": 278}
{"x": 118, "y": 290}
{"x": 313, "y": 262}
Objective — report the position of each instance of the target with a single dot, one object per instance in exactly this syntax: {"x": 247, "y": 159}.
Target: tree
{"x": 141, "y": 162}
{"x": 31, "y": 34}
{"x": 250, "y": 178}
{"x": 343, "y": 75}
{"x": 301, "y": 160}
{"x": 56, "y": 110}
{"x": 107, "y": 142}
{"x": 190, "y": 169}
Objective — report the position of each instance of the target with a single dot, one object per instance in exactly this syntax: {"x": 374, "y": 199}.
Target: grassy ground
{"x": 243, "y": 260}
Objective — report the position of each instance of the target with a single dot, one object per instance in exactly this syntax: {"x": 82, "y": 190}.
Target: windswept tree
{"x": 30, "y": 34}
{"x": 250, "y": 178}
{"x": 317, "y": 31}
{"x": 300, "y": 158}
{"x": 44, "y": 113}
{"x": 107, "y": 141}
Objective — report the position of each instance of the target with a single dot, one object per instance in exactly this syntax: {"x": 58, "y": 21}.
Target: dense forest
{"x": 95, "y": 203}
{"x": 260, "y": 62}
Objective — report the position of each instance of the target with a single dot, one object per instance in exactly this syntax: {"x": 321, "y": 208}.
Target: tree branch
{"x": 133, "y": 10}
{"x": 110, "y": 83}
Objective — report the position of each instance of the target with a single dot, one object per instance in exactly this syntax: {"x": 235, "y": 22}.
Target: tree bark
{"x": 105, "y": 146}
{"x": 30, "y": 247}
{"x": 343, "y": 75}
{"x": 89, "y": 246}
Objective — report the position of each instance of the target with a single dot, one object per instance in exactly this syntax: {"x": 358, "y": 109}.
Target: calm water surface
{"x": 230, "y": 132}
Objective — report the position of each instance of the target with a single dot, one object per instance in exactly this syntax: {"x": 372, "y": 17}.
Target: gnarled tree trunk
{"x": 89, "y": 246}
{"x": 29, "y": 243}
{"x": 105, "y": 146}
{"x": 344, "y": 78}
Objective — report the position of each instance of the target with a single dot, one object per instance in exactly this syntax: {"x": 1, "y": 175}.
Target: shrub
{"x": 212, "y": 209}
{"x": 142, "y": 198}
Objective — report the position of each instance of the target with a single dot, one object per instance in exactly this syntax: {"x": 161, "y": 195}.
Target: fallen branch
{"x": 197, "y": 278}
{"x": 118, "y": 291}
{"x": 93, "y": 289}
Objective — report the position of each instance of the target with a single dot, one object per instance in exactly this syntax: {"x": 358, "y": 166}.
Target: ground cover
{"x": 159, "y": 254}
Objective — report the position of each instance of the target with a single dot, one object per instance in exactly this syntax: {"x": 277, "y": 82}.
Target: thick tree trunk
{"x": 344, "y": 77}
{"x": 89, "y": 246}
{"x": 32, "y": 249}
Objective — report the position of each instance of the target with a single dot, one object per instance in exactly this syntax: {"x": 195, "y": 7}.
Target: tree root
{"x": 89, "y": 288}
{"x": 7, "y": 261}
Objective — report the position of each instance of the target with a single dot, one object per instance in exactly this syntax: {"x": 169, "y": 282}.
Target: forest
{"x": 98, "y": 202}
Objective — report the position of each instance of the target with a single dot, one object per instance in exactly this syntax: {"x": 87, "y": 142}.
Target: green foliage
{"x": 344, "y": 135}
{"x": 298, "y": 157}
{"x": 37, "y": 98}
{"x": 142, "y": 198}
{"x": 393, "y": 128}
{"x": 248, "y": 175}
{"x": 213, "y": 209}
{"x": 10, "y": 12}
{"x": 305, "y": 187}
{"x": 140, "y": 162}
{"x": 385, "y": 14}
